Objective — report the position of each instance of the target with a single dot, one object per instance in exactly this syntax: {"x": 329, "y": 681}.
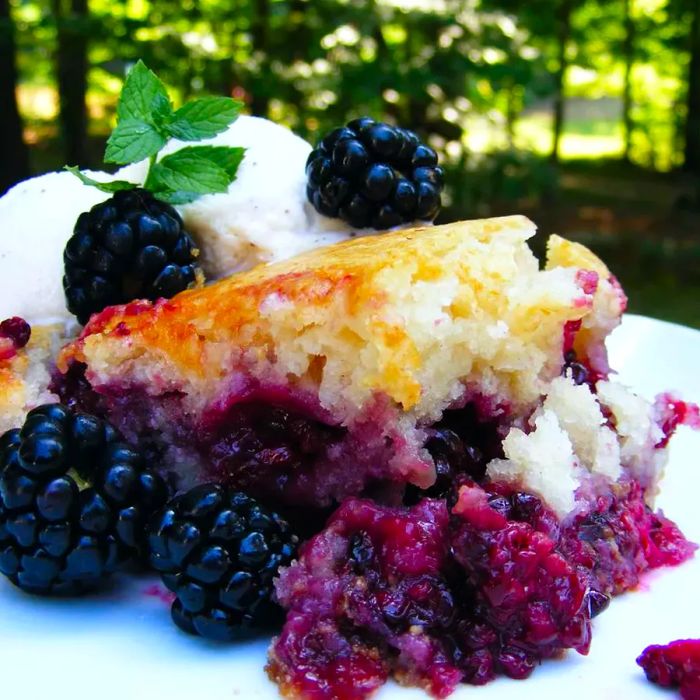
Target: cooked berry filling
{"x": 492, "y": 587}
{"x": 672, "y": 412}
{"x": 577, "y": 370}
{"x": 281, "y": 448}
{"x": 257, "y": 443}
{"x": 674, "y": 665}
{"x": 461, "y": 444}
{"x": 14, "y": 335}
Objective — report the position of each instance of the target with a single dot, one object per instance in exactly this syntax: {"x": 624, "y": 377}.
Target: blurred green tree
{"x": 691, "y": 153}
{"x": 14, "y": 162}
{"x": 71, "y": 65}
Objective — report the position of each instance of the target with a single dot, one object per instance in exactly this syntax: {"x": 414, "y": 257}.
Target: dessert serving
{"x": 403, "y": 454}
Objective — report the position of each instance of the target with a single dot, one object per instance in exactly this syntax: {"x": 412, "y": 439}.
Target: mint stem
{"x": 151, "y": 163}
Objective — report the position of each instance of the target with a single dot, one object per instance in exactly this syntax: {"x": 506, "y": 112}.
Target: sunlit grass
{"x": 580, "y": 139}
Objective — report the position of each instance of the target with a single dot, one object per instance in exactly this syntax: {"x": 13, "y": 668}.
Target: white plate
{"x": 122, "y": 645}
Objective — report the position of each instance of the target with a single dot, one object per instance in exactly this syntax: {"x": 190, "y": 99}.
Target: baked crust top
{"x": 414, "y": 315}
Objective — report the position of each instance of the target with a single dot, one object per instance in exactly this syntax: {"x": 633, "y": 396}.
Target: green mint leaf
{"x": 226, "y": 157}
{"x": 204, "y": 118}
{"x": 186, "y": 174}
{"x": 113, "y": 186}
{"x": 162, "y": 114}
{"x": 142, "y": 95}
{"x": 133, "y": 140}
{"x": 176, "y": 198}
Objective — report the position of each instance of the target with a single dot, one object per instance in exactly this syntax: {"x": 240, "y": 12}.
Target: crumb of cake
{"x": 637, "y": 429}
{"x": 25, "y": 372}
{"x": 581, "y": 416}
{"x": 674, "y": 665}
{"x": 580, "y": 441}
{"x": 542, "y": 461}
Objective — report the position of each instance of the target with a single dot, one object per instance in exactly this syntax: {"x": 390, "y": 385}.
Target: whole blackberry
{"x": 218, "y": 551}
{"x": 59, "y": 538}
{"x": 372, "y": 174}
{"x": 132, "y": 246}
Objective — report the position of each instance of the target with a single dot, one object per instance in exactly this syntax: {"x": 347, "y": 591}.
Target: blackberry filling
{"x": 14, "y": 335}
{"x": 436, "y": 597}
{"x": 674, "y": 665}
{"x": 461, "y": 444}
{"x": 280, "y": 448}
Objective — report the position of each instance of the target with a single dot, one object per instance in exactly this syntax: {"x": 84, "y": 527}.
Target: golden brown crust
{"x": 410, "y": 314}
{"x": 310, "y": 280}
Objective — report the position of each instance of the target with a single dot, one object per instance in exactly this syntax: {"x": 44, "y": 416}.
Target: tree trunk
{"x": 14, "y": 161}
{"x": 71, "y": 76}
{"x": 691, "y": 160}
{"x": 563, "y": 35}
{"x": 628, "y": 56}
{"x": 300, "y": 35}
{"x": 260, "y": 31}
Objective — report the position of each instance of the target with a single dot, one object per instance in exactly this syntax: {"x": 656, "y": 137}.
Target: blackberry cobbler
{"x": 494, "y": 488}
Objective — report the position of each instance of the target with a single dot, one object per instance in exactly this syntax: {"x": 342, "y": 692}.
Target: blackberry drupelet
{"x": 372, "y": 174}
{"x": 218, "y": 551}
{"x": 59, "y": 538}
{"x": 132, "y": 246}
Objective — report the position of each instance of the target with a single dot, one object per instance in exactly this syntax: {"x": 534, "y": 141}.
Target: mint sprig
{"x": 146, "y": 120}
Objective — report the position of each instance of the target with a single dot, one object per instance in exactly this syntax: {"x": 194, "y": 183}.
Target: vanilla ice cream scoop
{"x": 265, "y": 215}
{"x": 37, "y": 217}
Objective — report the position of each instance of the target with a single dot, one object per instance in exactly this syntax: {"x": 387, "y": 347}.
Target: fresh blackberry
{"x": 372, "y": 174}
{"x": 56, "y": 537}
{"x": 218, "y": 551}
{"x": 133, "y": 246}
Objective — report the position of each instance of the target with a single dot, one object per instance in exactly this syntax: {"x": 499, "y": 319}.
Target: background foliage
{"x": 583, "y": 113}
